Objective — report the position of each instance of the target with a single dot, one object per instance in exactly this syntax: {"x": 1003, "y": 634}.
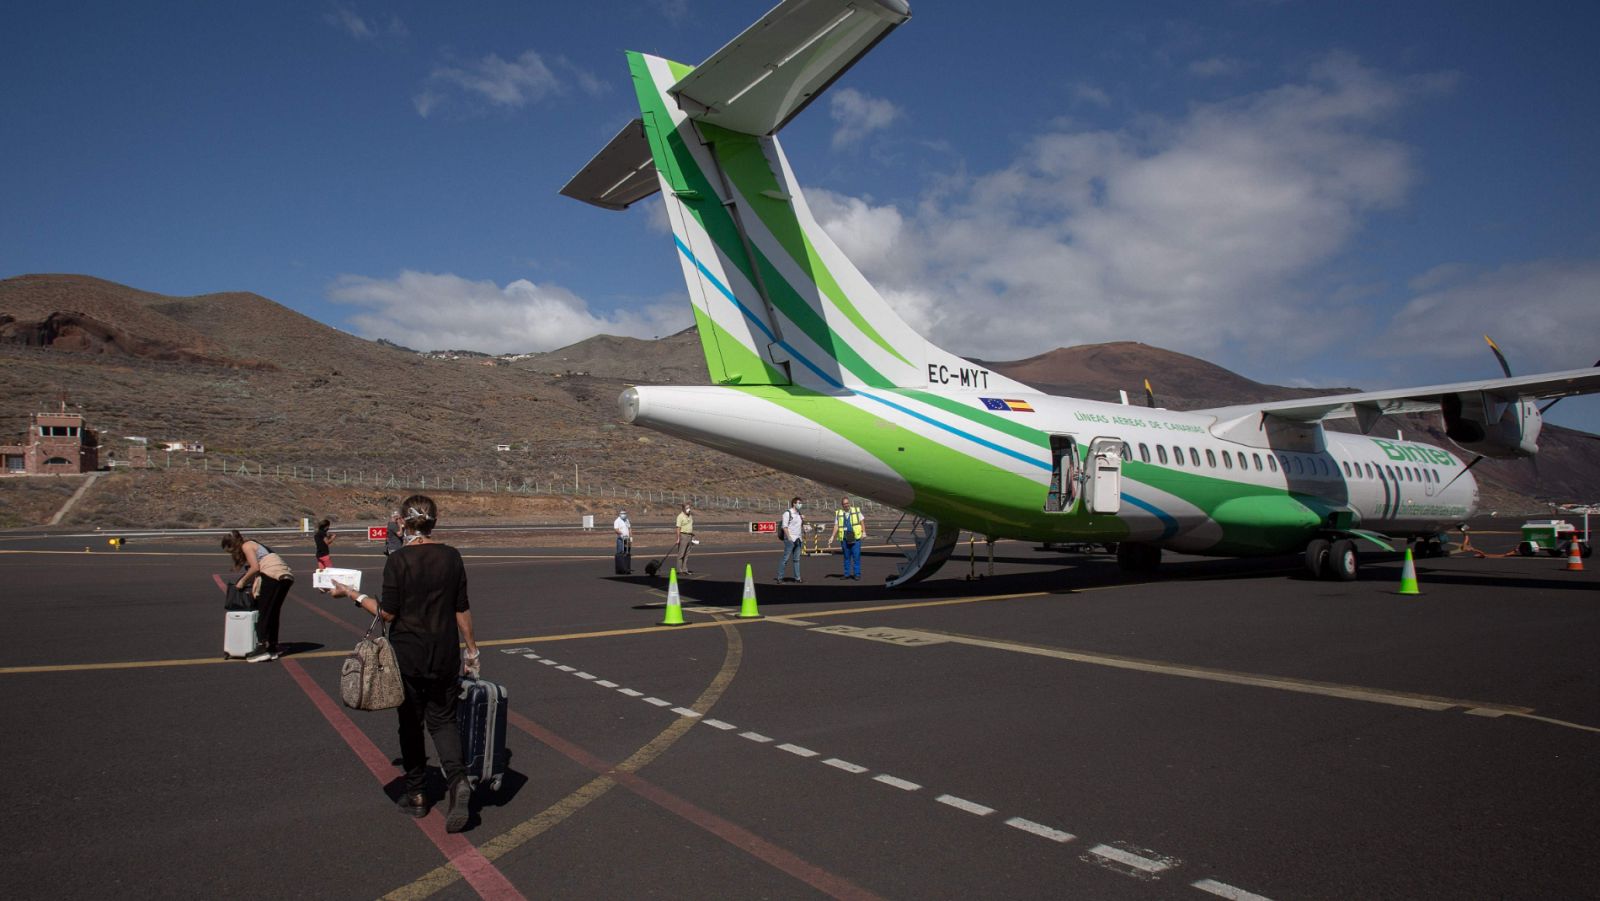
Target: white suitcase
{"x": 239, "y": 637}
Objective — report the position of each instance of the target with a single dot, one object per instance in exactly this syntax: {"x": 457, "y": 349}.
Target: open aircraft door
{"x": 1103, "y": 476}
{"x": 1065, "y": 475}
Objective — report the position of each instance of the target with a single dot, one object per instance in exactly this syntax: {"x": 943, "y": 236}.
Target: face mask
{"x": 413, "y": 537}
{"x": 798, "y": 506}
{"x": 624, "y": 514}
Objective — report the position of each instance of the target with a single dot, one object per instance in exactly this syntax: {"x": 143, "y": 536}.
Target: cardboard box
{"x": 324, "y": 578}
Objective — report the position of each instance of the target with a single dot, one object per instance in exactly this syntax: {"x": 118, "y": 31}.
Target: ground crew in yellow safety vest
{"x": 850, "y": 527}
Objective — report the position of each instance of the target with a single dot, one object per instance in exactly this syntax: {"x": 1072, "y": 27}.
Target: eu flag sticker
{"x": 994, "y": 403}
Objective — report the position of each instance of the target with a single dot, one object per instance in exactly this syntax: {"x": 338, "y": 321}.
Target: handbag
{"x": 370, "y": 677}
{"x": 236, "y": 598}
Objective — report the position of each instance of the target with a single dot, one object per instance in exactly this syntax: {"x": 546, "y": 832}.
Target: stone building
{"x": 56, "y": 444}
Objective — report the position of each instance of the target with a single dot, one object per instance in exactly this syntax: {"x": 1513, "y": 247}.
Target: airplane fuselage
{"x": 990, "y": 464}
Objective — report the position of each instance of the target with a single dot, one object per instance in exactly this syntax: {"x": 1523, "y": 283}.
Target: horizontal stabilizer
{"x": 619, "y": 175}
{"x": 767, "y": 75}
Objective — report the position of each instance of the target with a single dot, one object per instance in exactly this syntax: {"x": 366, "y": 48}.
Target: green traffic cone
{"x": 748, "y": 609}
{"x": 1408, "y": 576}
{"x": 674, "y": 607}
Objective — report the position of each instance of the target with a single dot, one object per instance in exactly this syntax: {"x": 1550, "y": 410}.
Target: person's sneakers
{"x": 414, "y": 804}
{"x": 276, "y": 653}
{"x": 458, "y": 803}
{"x": 258, "y": 655}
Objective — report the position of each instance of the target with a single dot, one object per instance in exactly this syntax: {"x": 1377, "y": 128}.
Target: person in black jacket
{"x": 425, "y": 603}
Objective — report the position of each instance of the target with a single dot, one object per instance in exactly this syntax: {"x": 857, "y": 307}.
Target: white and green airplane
{"x": 816, "y": 375}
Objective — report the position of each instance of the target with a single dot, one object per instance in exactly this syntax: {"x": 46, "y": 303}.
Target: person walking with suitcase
{"x": 624, "y": 530}
{"x": 425, "y": 603}
{"x": 792, "y": 529}
{"x": 262, "y": 563}
{"x": 849, "y": 527}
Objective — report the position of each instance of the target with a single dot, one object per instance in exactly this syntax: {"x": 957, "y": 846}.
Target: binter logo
{"x": 1414, "y": 454}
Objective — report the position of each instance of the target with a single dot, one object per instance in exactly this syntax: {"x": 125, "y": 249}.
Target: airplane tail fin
{"x": 775, "y": 300}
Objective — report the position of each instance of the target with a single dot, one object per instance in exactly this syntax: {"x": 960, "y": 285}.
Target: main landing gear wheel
{"x": 1138, "y": 558}
{"x": 1317, "y": 557}
{"x": 1343, "y": 561}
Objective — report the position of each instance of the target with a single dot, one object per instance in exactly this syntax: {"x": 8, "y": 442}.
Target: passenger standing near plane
{"x": 850, "y": 528}
{"x": 685, "y": 537}
{"x": 256, "y": 559}
{"x": 395, "y": 539}
{"x": 792, "y": 527}
{"x": 624, "y": 530}
{"x": 324, "y": 537}
{"x": 425, "y": 603}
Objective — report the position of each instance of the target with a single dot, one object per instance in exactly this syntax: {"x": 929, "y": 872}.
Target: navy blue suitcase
{"x": 481, "y": 716}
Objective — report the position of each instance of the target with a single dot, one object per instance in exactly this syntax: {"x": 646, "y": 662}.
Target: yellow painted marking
{"x": 529, "y": 639}
{"x": 1282, "y": 683}
{"x": 552, "y": 816}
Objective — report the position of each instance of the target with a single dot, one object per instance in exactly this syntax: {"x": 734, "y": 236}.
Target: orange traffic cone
{"x": 1574, "y": 558}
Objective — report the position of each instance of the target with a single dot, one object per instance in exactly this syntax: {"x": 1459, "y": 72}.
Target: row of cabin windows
{"x": 58, "y": 431}
{"x": 1295, "y": 465}
{"x": 1392, "y": 473}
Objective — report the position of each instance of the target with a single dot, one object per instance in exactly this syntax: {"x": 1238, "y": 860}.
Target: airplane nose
{"x": 628, "y": 404}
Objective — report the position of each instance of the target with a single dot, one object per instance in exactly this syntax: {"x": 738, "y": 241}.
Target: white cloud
{"x": 439, "y": 311}
{"x": 1195, "y": 234}
{"x": 1541, "y": 313}
{"x": 362, "y": 29}
{"x": 857, "y": 115}
{"x": 1216, "y": 67}
{"x": 673, "y": 10}
{"x": 508, "y": 84}
{"x": 1083, "y": 92}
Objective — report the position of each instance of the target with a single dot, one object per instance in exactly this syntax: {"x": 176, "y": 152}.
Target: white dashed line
{"x": 1139, "y": 865}
{"x": 1128, "y": 859}
{"x": 1224, "y": 890}
{"x": 1041, "y": 830}
{"x": 971, "y": 807}
{"x": 901, "y": 784}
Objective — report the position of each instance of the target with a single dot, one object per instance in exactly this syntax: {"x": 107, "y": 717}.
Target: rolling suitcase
{"x": 239, "y": 635}
{"x": 481, "y": 717}
{"x": 624, "y": 558}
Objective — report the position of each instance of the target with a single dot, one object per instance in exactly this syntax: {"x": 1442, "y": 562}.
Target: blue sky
{"x": 1308, "y": 193}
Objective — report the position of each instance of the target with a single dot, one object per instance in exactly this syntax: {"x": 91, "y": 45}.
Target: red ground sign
{"x": 767, "y": 527}
{"x": 377, "y": 533}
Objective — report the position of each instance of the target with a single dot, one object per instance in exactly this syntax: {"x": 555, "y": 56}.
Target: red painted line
{"x": 484, "y": 877}
{"x": 738, "y": 836}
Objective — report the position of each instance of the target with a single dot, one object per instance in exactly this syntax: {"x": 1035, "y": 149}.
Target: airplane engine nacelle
{"x": 1484, "y": 424}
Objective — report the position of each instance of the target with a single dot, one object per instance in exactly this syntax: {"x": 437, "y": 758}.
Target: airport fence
{"x": 496, "y": 484}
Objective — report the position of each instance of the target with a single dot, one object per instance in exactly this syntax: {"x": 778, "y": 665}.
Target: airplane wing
{"x": 767, "y": 75}
{"x": 1368, "y": 406}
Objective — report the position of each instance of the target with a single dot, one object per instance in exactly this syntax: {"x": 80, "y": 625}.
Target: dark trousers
{"x": 270, "y": 603}
{"x": 430, "y": 701}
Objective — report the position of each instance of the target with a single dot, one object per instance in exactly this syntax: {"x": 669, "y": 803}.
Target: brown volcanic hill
{"x": 333, "y": 401}
{"x": 675, "y": 358}
{"x": 1181, "y": 382}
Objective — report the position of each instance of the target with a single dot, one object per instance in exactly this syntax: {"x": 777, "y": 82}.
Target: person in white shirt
{"x": 624, "y": 530}
{"x": 792, "y": 528}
